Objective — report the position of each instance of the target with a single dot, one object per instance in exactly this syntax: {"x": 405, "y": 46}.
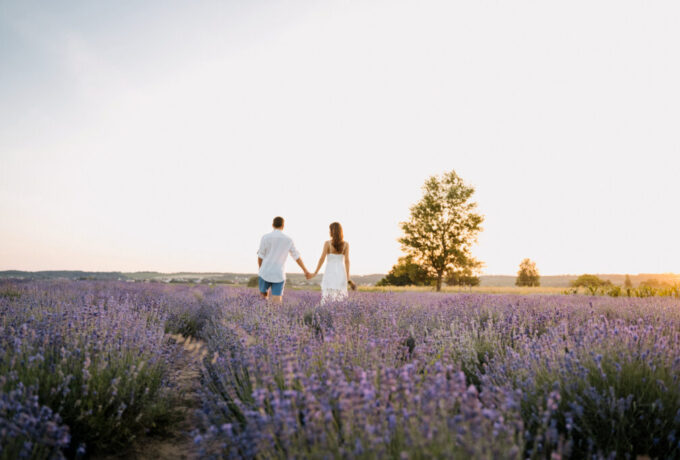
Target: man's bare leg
{"x": 278, "y": 299}
{"x": 264, "y": 295}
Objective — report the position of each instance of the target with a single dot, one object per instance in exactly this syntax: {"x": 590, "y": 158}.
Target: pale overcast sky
{"x": 166, "y": 135}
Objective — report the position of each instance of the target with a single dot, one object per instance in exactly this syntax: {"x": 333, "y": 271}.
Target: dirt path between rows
{"x": 185, "y": 374}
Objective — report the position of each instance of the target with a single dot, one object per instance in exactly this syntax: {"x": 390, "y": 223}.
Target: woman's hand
{"x": 352, "y": 285}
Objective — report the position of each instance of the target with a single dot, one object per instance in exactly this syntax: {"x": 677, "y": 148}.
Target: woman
{"x": 336, "y": 275}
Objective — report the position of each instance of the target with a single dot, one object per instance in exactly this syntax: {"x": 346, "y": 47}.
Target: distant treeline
{"x": 567, "y": 280}
{"x": 61, "y": 274}
{"x": 178, "y": 277}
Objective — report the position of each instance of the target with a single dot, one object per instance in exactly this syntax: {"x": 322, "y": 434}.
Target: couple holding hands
{"x": 271, "y": 259}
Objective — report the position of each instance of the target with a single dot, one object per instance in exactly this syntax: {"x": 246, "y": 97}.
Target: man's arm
{"x": 304, "y": 269}
{"x": 261, "y": 252}
{"x": 296, "y": 255}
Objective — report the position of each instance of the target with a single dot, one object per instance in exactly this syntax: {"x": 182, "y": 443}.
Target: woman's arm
{"x": 346, "y": 253}
{"x": 322, "y": 258}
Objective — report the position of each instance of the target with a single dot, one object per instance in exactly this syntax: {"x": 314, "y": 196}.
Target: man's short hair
{"x": 278, "y": 222}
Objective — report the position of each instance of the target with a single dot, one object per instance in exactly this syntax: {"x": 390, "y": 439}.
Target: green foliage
{"x": 645, "y": 291}
{"x": 592, "y": 283}
{"x": 463, "y": 277}
{"x": 619, "y": 402}
{"x": 9, "y": 293}
{"x": 627, "y": 283}
{"x": 589, "y": 280}
{"x": 442, "y": 227}
{"x": 184, "y": 323}
{"x": 253, "y": 281}
{"x": 614, "y": 291}
{"x": 649, "y": 291}
{"x": 528, "y": 274}
{"x": 607, "y": 288}
{"x": 406, "y": 273}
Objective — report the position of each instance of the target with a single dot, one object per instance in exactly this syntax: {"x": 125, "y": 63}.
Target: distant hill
{"x": 61, "y": 274}
{"x": 298, "y": 279}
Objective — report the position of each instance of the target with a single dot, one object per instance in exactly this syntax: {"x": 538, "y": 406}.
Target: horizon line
{"x": 296, "y": 273}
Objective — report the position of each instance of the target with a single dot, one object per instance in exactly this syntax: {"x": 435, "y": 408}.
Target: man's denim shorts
{"x": 277, "y": 288}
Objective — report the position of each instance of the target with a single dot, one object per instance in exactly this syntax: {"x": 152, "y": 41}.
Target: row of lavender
{"x": 424, "y": 375}
{"x": 84, "y": 368}
{"x": 84, "y": 365}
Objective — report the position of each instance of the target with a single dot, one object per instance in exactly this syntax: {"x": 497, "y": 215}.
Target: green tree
{"x": 442, "y": 227}
{"x": 628, "y": 283}
{"x": 406, "y": 273}
{"x": 253, "y": 281}
{"x": 590, "y": 281}
{"x": 528, "y": 274}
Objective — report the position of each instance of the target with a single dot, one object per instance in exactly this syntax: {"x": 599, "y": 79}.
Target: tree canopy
{"x": 589, "y": 281}
{"x": 528, "y": 274}
{"x": 442, "y": 227}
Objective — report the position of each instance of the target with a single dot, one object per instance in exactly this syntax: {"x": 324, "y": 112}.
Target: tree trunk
{"x": 439, "y": 282}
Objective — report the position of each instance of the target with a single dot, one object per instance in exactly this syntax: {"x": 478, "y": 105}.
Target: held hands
{"x": 310, "y": 275}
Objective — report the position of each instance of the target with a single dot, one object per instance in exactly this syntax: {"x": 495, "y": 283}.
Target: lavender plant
{"x": 90, "y": 359}
{"x": 425, "y": 375}
{"x": 84, "y": 368}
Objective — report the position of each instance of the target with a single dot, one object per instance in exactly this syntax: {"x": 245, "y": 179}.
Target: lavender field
{"x": 85, "y": 371}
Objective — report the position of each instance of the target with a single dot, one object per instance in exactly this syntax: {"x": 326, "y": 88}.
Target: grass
{"x": 474, "y": 290}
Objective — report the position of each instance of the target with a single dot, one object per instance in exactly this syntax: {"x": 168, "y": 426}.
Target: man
{"x": 271, "y": 258}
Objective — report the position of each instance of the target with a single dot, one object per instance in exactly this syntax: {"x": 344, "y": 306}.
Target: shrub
{"x": 406, "y": 273}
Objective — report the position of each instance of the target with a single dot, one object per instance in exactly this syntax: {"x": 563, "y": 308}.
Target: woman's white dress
{"x": 334, "y": 283}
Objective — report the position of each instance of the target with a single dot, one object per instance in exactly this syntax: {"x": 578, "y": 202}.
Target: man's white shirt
{"x": 274, "y": 250}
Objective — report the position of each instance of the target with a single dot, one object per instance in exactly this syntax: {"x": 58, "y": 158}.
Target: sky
{"x": 166, "y": 135}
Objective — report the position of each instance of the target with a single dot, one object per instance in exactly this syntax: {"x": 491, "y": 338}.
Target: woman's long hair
{"x": 336, "y": 237}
